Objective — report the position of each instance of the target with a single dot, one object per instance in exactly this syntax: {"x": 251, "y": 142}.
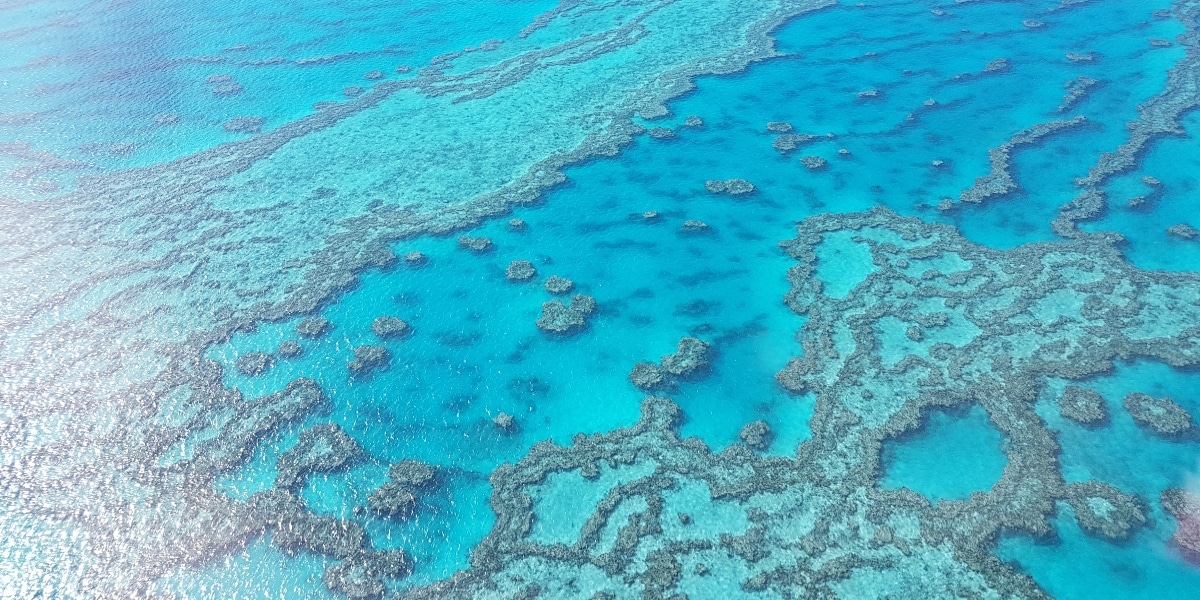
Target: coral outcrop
{"x": 392, "y": 501}
{"x": 1185, "y": 507}
{"x": 1000, "y": 181}
{"x": 562, "y": 319}
{"x": 757, "y": 435}
{"x": 313, "y": 327}
{"x": 559, "y": 285}
{"x": 733, "y": 187}
{"x": 388, "y": 327}
{"x": 396, "y": 498}
{"x": 647, "y": 376}
{"x": 324, "y": 448}
{"x": 691, "y": 358}
{"x": 289, "y": 349}
{"x": 1162, "y": 415}
{"x": 1083, "y": 406}
{"x": 478, "y": 245}
{"x": 254, "y": 363}
{"x": 520, "y": 270}
{"x": 224, "y": 86}
{"x": 244, "y": 124}
{"x": 661, "y": 133}
{"x": 1183, "y": 231}
{"x": 813, "y": 163}
{"x": 369, "y": 358}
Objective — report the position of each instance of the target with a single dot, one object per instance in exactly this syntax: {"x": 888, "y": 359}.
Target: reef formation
{"x": 691, "y": 357}
{"x": 826, "y": 496}
{"x": 818, "y": 523}
{"x": 1157, "y": 117}
{"x": 559, "y": 318}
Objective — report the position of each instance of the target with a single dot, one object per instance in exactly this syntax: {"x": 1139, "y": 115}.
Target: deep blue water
{"x": 92, "y": 92}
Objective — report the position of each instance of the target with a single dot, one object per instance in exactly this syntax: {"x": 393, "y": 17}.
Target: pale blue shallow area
{"x": 89, "y": 81}
{"x": 475, "y": 350}
{"x": 950, "y": 457}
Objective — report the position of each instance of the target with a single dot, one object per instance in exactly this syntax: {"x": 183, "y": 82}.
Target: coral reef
{"x": 691, "y": 357}
{"x": 1183, "y": 231}
{"x": 313, "y": 327}
{"x": 808, "y": 524}
{"x": 997, "y": 66}
{"x": 413, "y": 473}
{"x": 560, "y": 319}
{"x": 999, "y": 181}
{"x": 392, "y": 501}
{"x": 516, "y": 224}
{"x": 323, "y": 448}
{"x": 693, "y": 121}
{"x": 478, "y": 245}
{"x": 733, "y": 187}
{"x": 224, "y": 86}
{"x": 1104, "y": 511}
{"x": 757, "y": 435}
{"x": 254, "y": 363}
{"x": 220, "y": 267}
{"x": 505, "y": 422}
{"x": 415, "y": 259}
{"x": 244, "y": 124}
{"x": 396, "y": 498}
{"x": 813, "y": 163}
{"x": 289, "y": 349}
{"x": 787, "y": 142}
{"x": 1077, "y": 89}
{"x": 559, "y": 285}
{"x": 1185, "y": 507}
{"x": 1162, "y": 415}
{"x": 389, "y": 327}
{"x": 297, "y": 531}
{"x": 241, "y": 431}
{"x": 661, "y": 133}
{"x": 1083, "y": 406}
{"x": 226, "y": 526}
{"x": 360, "y": 576}
{"x": 520, "y": 270}
{"x": 779, "y": 127}
{"x": 1159, "y": 116}
{"x": 369, "y": 358}
{"x": 647, "y": 376}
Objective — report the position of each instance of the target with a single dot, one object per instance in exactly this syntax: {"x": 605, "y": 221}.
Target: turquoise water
{"x": 880, "y": 390}
{"x": 953, "y": 456}
{"x": 1135, "y": 461}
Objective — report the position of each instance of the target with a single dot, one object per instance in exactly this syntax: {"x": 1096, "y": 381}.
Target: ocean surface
{"x": 599, "y": 299}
